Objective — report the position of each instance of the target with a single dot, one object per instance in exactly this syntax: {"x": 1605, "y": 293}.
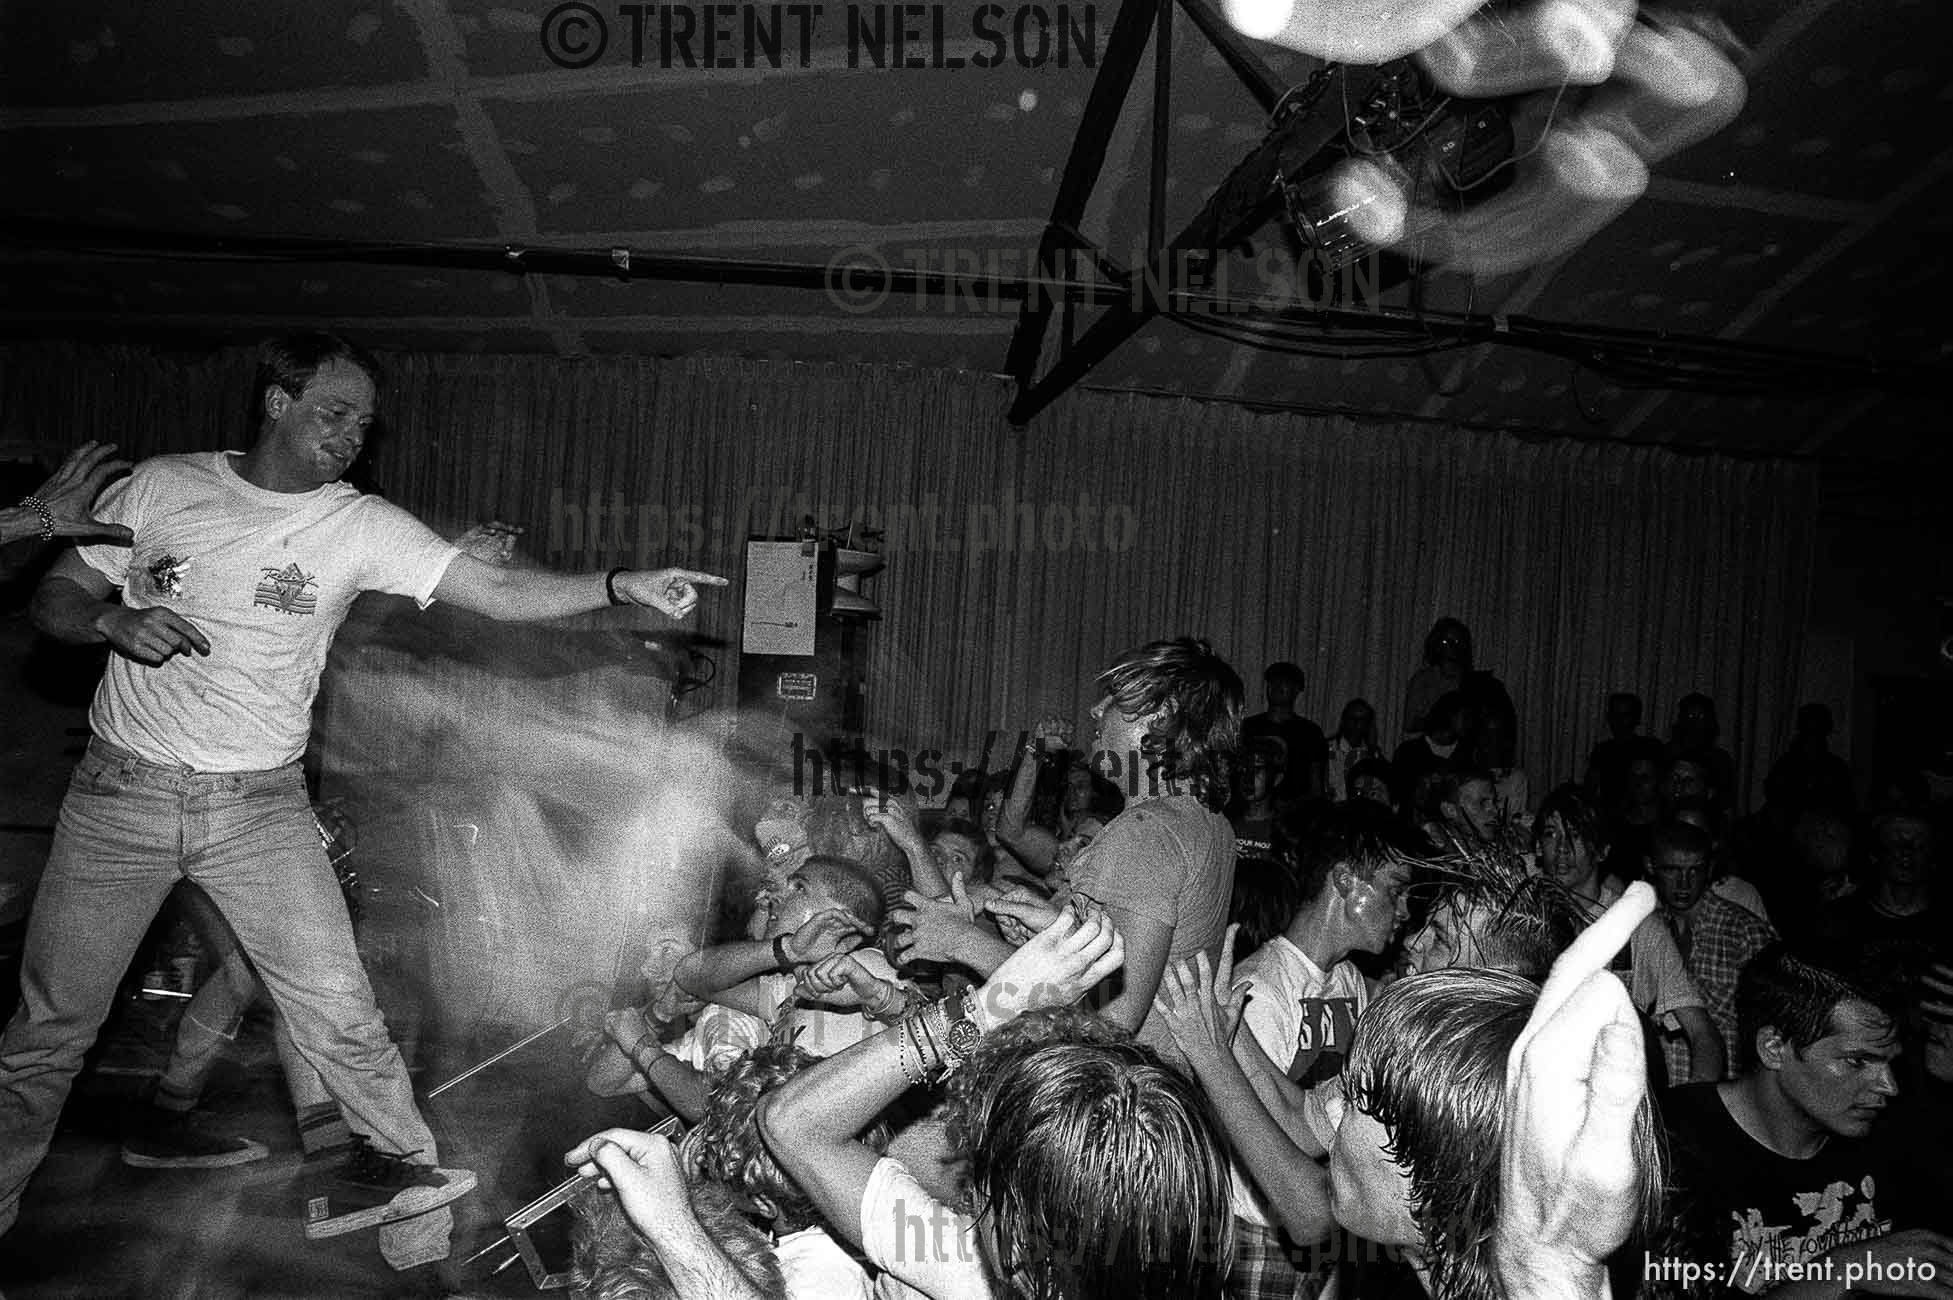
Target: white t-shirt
{"x": 816, "y": 1268}
{"x": 922, "y": 1245}
{"x": 1304, "y": 1018}
{"x": 267, "y": 577}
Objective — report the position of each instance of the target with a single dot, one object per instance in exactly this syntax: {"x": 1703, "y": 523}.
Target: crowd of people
{"x": 1277, "y": 1014}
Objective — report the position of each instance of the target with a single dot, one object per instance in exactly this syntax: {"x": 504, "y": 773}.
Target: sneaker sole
{"x": 413, "y": 1201}
{"x": 249, "y": 1153}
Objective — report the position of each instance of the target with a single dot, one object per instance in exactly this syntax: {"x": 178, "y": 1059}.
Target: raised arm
{"x": 810, "y": 1123}
{"x": 1032, "y": 845}
{"x": 1201, "y": 1008}
{"x": 891, "y": 817}
{"x": 526, "y": 595}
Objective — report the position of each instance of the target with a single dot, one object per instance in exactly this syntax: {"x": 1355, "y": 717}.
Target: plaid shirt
{"x": 1722, "y": 937}
{"x": 1267, "y": 1267}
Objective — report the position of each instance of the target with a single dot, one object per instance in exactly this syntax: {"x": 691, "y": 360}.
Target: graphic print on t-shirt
{"x": 1322, "y": 1039}
{"x": 287, "y": 591}
{"x": 1763, "y": 1253}
{"x": 166, "y": 576}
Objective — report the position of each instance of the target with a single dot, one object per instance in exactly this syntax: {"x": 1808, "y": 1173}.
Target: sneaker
{"x": 170, "y": 1141}
{"x": 369, "y": 1187}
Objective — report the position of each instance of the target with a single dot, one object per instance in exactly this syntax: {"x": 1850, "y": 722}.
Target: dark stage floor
{"x": 90, "y": 1226}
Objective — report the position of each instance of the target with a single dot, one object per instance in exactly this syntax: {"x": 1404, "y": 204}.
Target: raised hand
{"x": 670, "y": 591}
{"x": 1061, "y": 964}
{"x": 72, "y": 489}
{"x": 934, "y": 929}
{"x": 893, "y": 819}
{"x": 823, "y": 935}
{"x": 1571, "y": 1179}
{"x": 1199, "y": 1002}
{"x": 1021, "y": 913}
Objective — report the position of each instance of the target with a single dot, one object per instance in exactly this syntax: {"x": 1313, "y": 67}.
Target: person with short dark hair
{"x": 1354, "y": 742}
{"x": 1781, "y": 1175}
{"x": 240, "y": 569}
{"x": 1693, "y": 735}
{"x": 1568, "y": 837}
{"x": 1305, "y": 753}
{"x": 1715, "y": 937}
{"x": 1607, "y": 764}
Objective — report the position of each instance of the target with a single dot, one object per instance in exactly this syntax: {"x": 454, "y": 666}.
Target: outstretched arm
{"x": 526, "y": 595}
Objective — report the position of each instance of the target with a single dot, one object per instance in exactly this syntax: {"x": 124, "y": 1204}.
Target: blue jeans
{"x": 128, "y": 831}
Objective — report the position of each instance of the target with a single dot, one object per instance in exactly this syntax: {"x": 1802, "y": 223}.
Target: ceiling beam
{"x": 1921, "y": 182}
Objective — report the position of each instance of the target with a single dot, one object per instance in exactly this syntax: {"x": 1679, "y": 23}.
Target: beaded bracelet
{"x": 39, "y": 507}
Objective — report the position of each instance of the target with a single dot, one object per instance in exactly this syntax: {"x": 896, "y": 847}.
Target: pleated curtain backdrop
{"x": 1020, "y": 561}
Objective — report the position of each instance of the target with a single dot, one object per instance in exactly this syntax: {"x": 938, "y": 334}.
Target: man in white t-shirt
{"x": 242, "y": 566}
{"x": 1304, "y": 997}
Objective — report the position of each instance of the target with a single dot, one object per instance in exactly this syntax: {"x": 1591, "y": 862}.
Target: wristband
{"x": 39, "y": 507}
{"x": 780, "y": 958}
{"x": 610, "y": 585}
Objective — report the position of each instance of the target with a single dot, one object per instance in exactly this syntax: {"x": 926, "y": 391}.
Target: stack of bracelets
{"x": 940, "y": 1038}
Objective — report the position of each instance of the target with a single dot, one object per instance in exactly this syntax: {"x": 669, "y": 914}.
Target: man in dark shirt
{"x": 1607, "y": 765}
{"x": 1305, "y": 757}
{"x": 1783, "y": 1181}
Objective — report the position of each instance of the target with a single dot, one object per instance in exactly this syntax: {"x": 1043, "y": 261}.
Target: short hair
{"x": 1452, "y": 781}
{"x": 1359, "y": 835}
{"x": 853, "y": 890}
{"x": 1428, "y": 1061}
{"x": 985, "y": 864}
{"x": 1799, "y": 998}
{"x": 1679, "y": 837}
{"x": 1284, "y": 671}
{"x": 1201, "y": 696}
{"x": 613, "y": 1261}
{"x": 1625, "y": 698}
{"x": 725, "y": 1145}
{"x": 1528, "y": 922}
{"x": 290, "y": 361}
{"x": 1381, "y": 769}
{"x": 1436, "y": 634}
{"x": 1696, "y": 699}
{"x": 1578, "y": 810}
{"x": 1098, "y": 1170}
